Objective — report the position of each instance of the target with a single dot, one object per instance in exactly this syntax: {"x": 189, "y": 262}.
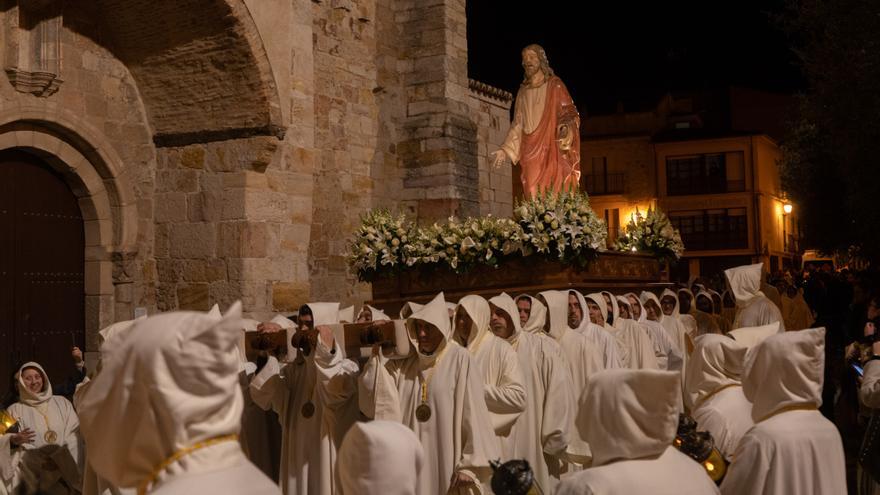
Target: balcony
{"x": 599, "y": 184}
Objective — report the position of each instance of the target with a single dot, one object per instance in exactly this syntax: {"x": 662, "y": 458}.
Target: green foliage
{"x": 830, "y": 154}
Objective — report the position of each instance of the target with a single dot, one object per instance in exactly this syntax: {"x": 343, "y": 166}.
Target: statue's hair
{"x": 542, "y": 59}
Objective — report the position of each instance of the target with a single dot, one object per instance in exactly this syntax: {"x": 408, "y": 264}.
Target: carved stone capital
{"x": 41, "y": 84}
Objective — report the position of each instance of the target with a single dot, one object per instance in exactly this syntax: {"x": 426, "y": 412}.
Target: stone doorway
{"x": 42, "y": 253}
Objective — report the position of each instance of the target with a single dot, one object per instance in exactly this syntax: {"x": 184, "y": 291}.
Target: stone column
{"x": 438, "y": 146}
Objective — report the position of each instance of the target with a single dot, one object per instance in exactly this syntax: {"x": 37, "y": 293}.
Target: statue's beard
{"x": 531, "y": 71}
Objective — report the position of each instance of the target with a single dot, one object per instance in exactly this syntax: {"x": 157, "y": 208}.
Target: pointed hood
{"x": 214, "y": 312}
{"x": 708, "y": 296}
{"x": 434, "y": 313}
{"x": 687, "y": 291}
{"x": 598, "y": 300}
{"x": 477, "y": 308}
{"x": 28, "y": 397}
{"x": 716, "y": 363}
{"x": 629, "y": 414}
{"x": 582, "y": 301}
{"x": 787, "y": 369}
{"x": 557, "y": 312}
{"x": 346, "y": 315}
{"x": 508, "y": 305}
{"x": 750, "y": 337}
{"x": 376, "y": 314}
{"x": 623, "y": 301}
{"x": 745, "y": 282}
{"x": 615, "y": 311}
{"x": 676, "y": 312}
{"x": 409, "y": 308}
{"x": 367, "y": 451}
{"x": 638, "y": 301}
{"x": 172, "y": 383}
{"x": 650, "y": 296}
{"x": 537, "y": 316}
{"x": 324, "y": 313}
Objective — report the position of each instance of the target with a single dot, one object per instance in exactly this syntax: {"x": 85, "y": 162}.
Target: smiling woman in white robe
{"x": 502, "y": 380}
{"x": 541, "y": 434}
{"x": 713, "y": 391}
{"x": 164, "y": 413}
{"x": 792, "y": 448}
{"x": 753, "y": 309}
{"x": 440, "y": 397}
{"x": 313, "y": 397}
{"x": 630, "y": 418}
{"x": 55, "y": 440}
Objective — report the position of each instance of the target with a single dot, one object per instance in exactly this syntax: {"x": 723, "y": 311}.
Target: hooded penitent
{"x": 635, "y": 346}
{"x": 630, "y": 417}
{"x": 671, "y": 324}
{"x": 598, "y": 335}
{"x": 686, "y": 320}
{"x": 581, "y": 355}
{"x": 665, "y": 350}
{"x": 713, "y": 390}
{"x": 382, "y": 457}
{"x": 166, "y": 410}
{"x": 753, "y": 309}
{"x": 312, "y": 395}
{"x": 503, "y": 383}
{"x": 537, "y": 315}
{"x": 346, "y": 315}
{"x": 457, "y": 435}
{"x": 541, "y": 434}
{"x": 792, "y": 448}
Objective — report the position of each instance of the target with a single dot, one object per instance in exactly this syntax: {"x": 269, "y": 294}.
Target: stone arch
{"x": 200, "y": 66}
{"x": 86, "y": 159}
{"x": 90, "y": 166}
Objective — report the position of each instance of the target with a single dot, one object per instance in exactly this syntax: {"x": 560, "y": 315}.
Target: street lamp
{"x": 786, "y": 208}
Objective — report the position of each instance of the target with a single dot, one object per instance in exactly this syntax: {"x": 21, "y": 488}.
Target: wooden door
{"x": 42, "y": 291}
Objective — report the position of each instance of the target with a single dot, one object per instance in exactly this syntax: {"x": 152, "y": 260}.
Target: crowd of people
{"x": 587, "y": 388}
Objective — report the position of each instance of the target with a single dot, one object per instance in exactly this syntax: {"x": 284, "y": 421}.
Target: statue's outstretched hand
{"x": 498, "y": 158}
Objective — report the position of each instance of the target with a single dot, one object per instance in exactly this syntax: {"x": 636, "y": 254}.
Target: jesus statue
{"x": 544, "y": 137}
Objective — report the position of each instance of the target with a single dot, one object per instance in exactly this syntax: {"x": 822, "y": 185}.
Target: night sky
{"x": 631, "y": 51}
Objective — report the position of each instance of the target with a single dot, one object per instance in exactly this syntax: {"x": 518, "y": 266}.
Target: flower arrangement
{"x": 652, "y": 233}
{"x": 556, "y": 226}
{"x": 380, "y": 245}
{"x": 461, "y": 245}
{"x": 561, "y": 226}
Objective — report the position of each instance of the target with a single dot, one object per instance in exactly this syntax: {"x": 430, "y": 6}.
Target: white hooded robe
{"x": 458, "y": 437}
{"x": 604, "y": 342}
{"x": 581, "y": 356}
{"x": 165, "y": 411}
{"x": 329, "y": 381}
{"x": 635, "y": 346}
{"x": 541, "y": 434}
{"x": 59, "y": 416}
{"x": 502, "y": 379}
{"x": 792, "y": 448}
{"x": 753, "y": 308}
{"x": 713, "y": 391}
{"x": 630, "y": 417}
{"x": 370, "y": 449}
